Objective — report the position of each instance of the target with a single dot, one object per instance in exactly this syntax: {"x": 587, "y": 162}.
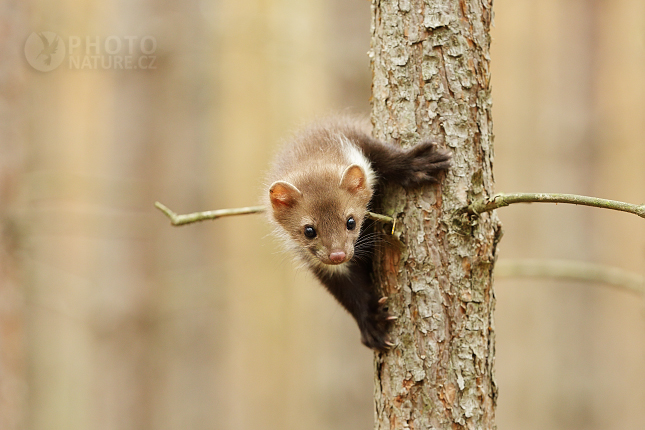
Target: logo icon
{"x": 44, "y": 51}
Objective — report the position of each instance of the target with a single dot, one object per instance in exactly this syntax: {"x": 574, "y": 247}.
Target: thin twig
{"x": 574, "y": 270}
{"x": 501, "y": 200}
{"x": 380, "y": 218}
{"x": 178, "y": 220}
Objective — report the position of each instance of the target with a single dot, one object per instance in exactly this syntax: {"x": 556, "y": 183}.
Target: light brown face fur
{"x": 319, "y": 180}
{"x": 323, "y": 214}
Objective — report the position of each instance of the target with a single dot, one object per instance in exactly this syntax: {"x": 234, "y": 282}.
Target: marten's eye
{"x": 310, "y": 232}
{"x": 351, "y": 223}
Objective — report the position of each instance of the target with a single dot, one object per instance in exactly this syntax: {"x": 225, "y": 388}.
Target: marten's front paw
{"x": 375, "y": 328}
{"x": 426, "y": 161}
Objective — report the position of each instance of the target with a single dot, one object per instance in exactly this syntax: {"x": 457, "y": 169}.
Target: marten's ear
{"x": 354, "y": 179}
{"x": 283, "y": 195}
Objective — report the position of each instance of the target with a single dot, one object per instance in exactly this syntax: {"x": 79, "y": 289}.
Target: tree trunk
{"x": 13, "y": 136}
{"x": 431, "y": 80}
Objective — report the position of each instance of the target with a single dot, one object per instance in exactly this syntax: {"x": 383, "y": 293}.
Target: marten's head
{"x": 321, "y": 212}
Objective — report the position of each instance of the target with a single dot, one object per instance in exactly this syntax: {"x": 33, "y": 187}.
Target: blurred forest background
{"x": 112, "y": 319}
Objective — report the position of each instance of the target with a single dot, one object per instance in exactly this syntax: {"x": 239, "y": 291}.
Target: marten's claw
{"x": 376, "y": 325}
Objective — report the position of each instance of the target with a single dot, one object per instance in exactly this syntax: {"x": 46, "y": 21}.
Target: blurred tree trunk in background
{"x": 432, "y": 81}
{"x": 92, "y": 326}
{"x": 569, "y": 108}
{"x": 13, "y": 386}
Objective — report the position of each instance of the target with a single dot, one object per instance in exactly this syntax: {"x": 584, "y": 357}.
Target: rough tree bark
{"x": 431, "y": 80}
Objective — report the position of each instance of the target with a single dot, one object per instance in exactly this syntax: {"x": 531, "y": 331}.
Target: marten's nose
{"x": 337, "y": 257}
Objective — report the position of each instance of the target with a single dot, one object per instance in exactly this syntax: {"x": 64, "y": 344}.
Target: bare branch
{"x": 190, "y": 218}
{"x": 574, "y": 270}
{"x": 178, "y": 220}
{"x": 485, "y": 205}
{"x": 381, "y": 218}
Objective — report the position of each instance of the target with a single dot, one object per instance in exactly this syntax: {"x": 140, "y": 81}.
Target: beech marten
{"x": 321, "y": 185}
